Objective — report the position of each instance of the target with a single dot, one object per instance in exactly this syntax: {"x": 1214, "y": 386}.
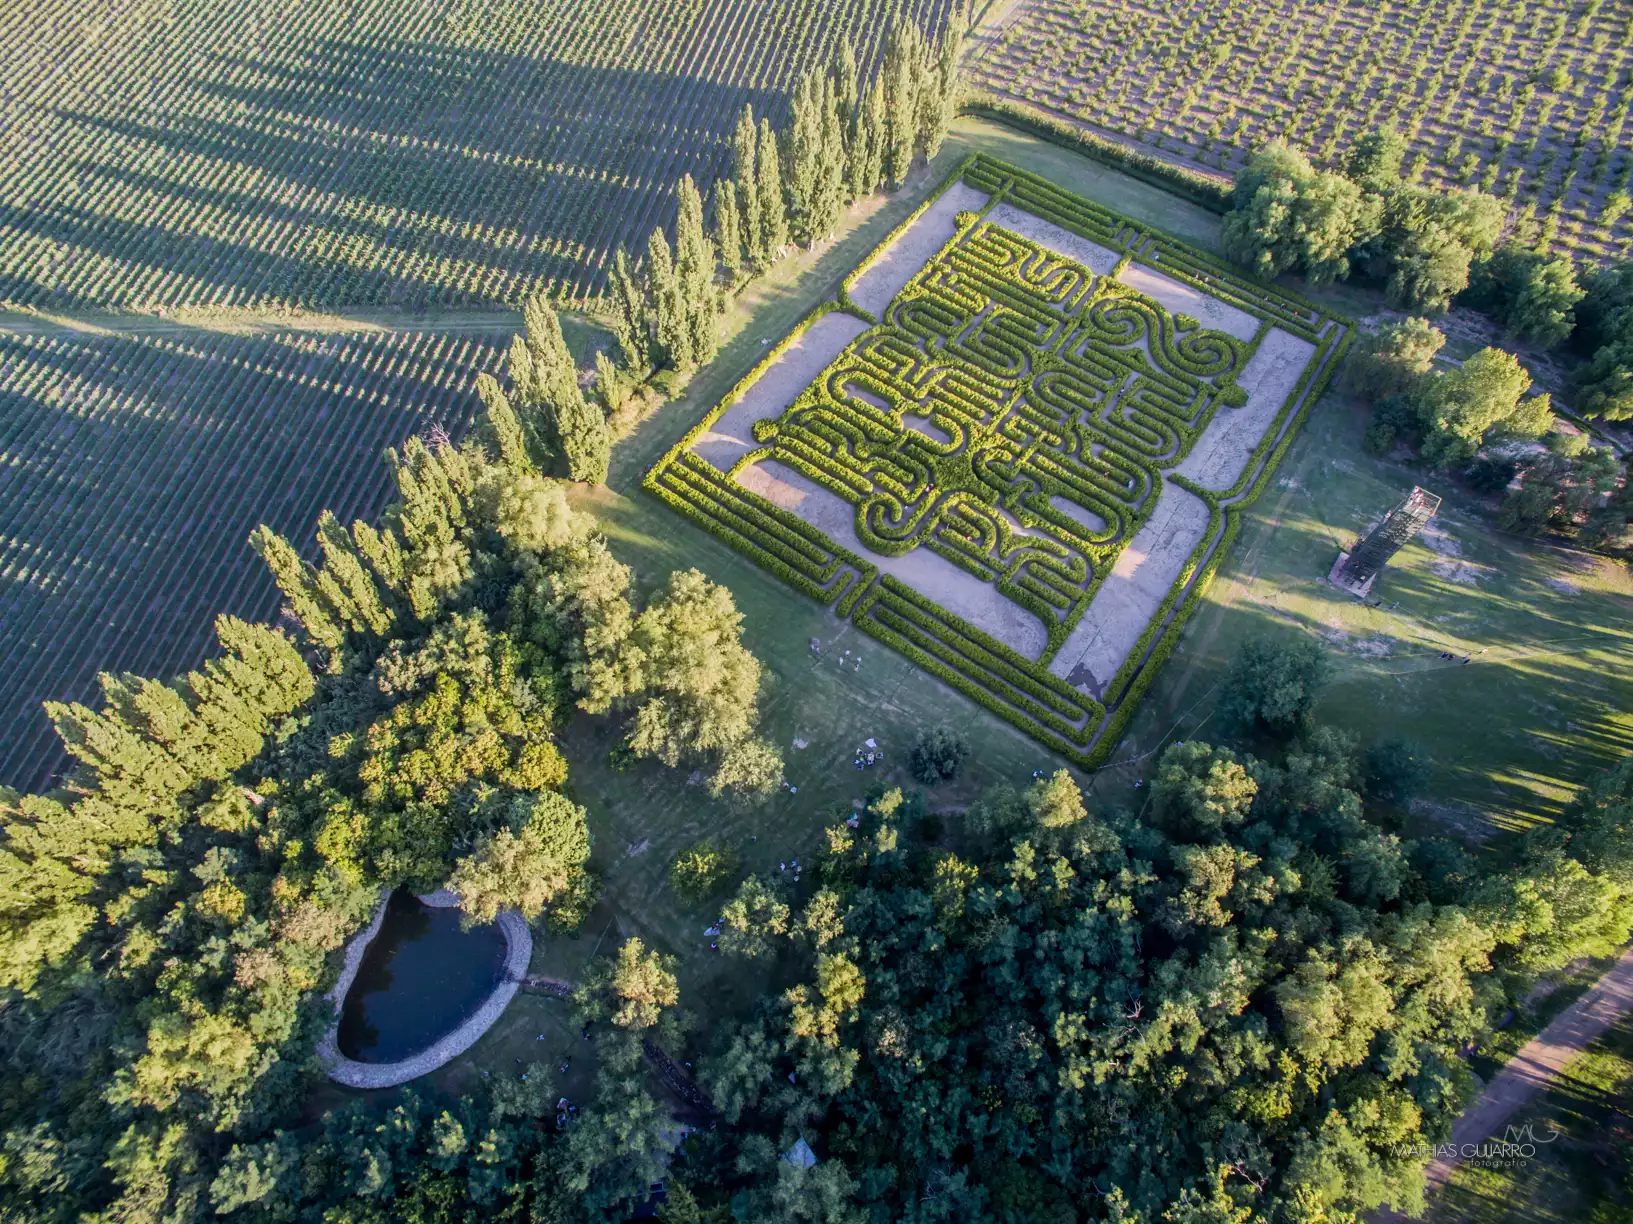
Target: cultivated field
{"x": 403, "y": 153}
{"x": 133, "y": 468}
{"x": 1529, "y": 101}
{"x": 1009, "y": 450}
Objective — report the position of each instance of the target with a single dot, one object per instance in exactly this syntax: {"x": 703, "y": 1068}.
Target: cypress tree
{"x": 501, "y": 425}
{"x": 674, "y": 338}
{"x": 384, "y": 550}
{"x": 773, "y": 204}
{"x": 745, "y": 160}
{"x": 694, "y": 273}
{"x": 926, "y": 88}
{"x": 903, "y": 106}
{"x": 630, "y": 314}
{"x": 828, "y": 201}
{"x": 728, "y": 230}
{"x": 804, "y": 160}
{"x": 608, "y": 385}
{"x": 351, "y": 581}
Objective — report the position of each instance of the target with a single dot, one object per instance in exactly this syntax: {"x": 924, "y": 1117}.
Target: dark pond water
{"x": 420, "y": 977}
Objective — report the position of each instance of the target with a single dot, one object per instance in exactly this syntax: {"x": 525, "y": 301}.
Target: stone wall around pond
{"x": 354, "y": 1074}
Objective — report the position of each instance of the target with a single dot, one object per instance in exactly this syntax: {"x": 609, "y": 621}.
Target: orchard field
{"x": 387, "y": 153}
{"x": 133, "y": 468}
{"x": 1528, "y": 101}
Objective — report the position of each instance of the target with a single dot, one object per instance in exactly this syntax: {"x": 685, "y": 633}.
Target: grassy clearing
{"x": 1547, "y": 700}
{"x": 1578, "y": 1178}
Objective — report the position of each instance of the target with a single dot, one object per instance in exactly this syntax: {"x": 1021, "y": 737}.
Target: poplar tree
{"x": 694, "y": 273}
{"x": 773, "y": 205}
{"x": 578, "y": 427}
{"x": 804, "y": 160}
{"x": 631, "y": 313}
{"x": 847, "y": 92}
{"x": 295, "y": 580}
{"x": 728, "y": 230}
{"x": 608, "y": 384}
{"x": 868, "y": 143}
{"x": 746, "y": 165}
{"x": 828, "y": 199}
{"x": 674, "y": 337}
{"x": 900, "y": 79}
{"x": 946, "y": 85}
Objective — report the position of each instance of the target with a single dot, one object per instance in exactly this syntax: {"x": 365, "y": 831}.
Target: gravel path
{"x": 925, "y": 571}
{"x": 1100, "y": 260}
{"x": 1178, "y": 298}
{"x": 354, "y": 1074}
{"x": 1221, "y": 453}
{"x": 1138, "y": 583}
{"x": 901, "y": 260}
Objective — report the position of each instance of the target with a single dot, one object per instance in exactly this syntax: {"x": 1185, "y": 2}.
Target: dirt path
{"x": 1528, "y": 1072}
{"x": 453, "y": 322}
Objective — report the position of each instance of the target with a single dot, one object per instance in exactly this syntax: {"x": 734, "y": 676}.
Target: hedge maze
{"x": 1020, "y": 417}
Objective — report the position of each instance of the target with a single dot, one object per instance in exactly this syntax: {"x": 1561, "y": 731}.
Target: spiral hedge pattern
{"x": 1003, "y": 380}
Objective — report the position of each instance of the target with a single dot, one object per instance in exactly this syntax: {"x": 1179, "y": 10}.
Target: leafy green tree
{"x": 1459, "y": 407}
{"x": 632, "y": 989}
{"x": 701, "y": 871}
{"x": 526, "y": 867}
{"x": 728, "y": 229}
{"x": 803, "y": 157}
{"x": 694, "y": 275}
{"x": 869, "y": 139}
{"x": 900, "y": 78}
{"x": 755, "y": 920}
{"x": 1273, "y": 683}
{"x": 631, "y": 315}
{"x": 1396, "y": 770}
{"x": 672, "y": 325}
{"x": 1532, "y": 293}
{"x": 1288, "y": 216}
{"x": 1374, "y": 160}
{"x": 1393, "y": 359}
{"x": 1427, "y": 242}
{"x": 938, "y": 755}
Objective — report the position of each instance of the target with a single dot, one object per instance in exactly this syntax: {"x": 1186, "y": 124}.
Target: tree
{"x": 702, "y": 870}
{"x": 755, "y": 919}
{"x": 938, "y": 755}
{"x": 1396, "y": 771}
{"x": 1393, "y": 359}
{"x": 728, "y": 229}
{"x": 1533, "y": 294}
{"x": 694, "y": 275}
{"x": 633, "y": 989}
{"x": 671, "y": 318}
{"x": 1288, "y": 216}
{"x": 1056, "y": 801}
{"x": 1459, "y": 407}
{"x": 699, "y": 686}
{"x": 1374, "y": 160}
{"x": 631, "y": 315}
{"x": 901, "y": 104}
{"x": 773, "y": 204}
{"x": 746, "y": 167}
{"x": 868, "y": 142}
{"x": 1427, "y": 242}
{"x": 525, "y": 864}
{"x": 944, "y": 100}
{"x": 546, "y": 379}
{"x": 1273, "y": 683}
{"x": 803, "y": 160}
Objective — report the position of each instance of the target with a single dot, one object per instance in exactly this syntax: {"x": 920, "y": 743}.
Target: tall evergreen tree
{"x": 804, "y": 158}
{"x": 631, "y": 314}
{"x": 728, "y": 229}
{"x": 694, "y": 273}
{"x": 674, "y": 336}
{"x": 773, "y": 204}
{"x": 745, "y": 148}
{"x": 295, "y": 581}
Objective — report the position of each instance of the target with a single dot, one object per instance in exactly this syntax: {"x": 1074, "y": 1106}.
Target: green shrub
{"x": 938, "y": 755}
{"x": 703, "y": 870}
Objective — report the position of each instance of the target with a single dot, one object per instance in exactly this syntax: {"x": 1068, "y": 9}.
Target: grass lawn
{"x": 1578, "y": 1178}
{"x": 1547, "y": 700}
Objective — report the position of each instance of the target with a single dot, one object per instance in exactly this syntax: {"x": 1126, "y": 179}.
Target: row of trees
{"x": 845, "y": 140}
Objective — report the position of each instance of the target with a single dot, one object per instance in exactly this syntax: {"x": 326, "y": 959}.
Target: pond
{"x": 420, "y": 977}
